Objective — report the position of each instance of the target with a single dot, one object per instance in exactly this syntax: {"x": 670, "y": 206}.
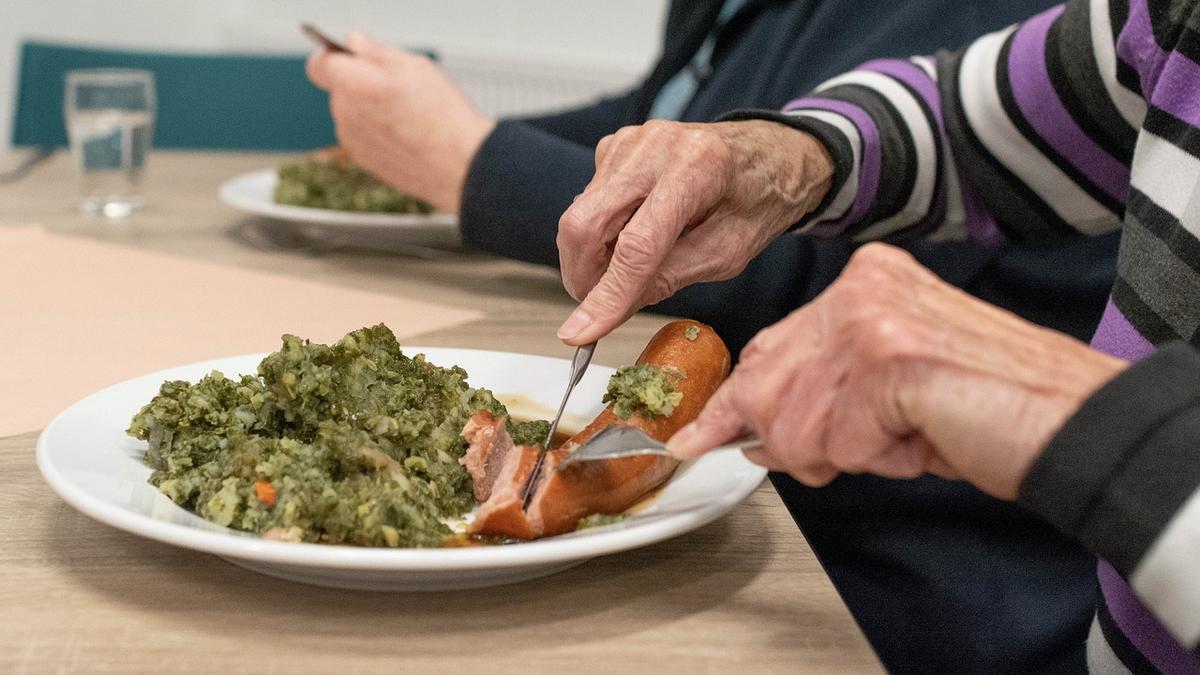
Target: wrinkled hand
{"x": 401, "y": 118}
{"x": 893, "y": 372}
{"x": 673, "y": 204}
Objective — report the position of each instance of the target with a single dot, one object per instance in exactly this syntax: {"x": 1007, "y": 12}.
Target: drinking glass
{"x": 110, "y": 123}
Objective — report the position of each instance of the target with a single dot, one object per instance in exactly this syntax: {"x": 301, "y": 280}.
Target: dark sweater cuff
{"x": 1126, "y": 462}
{"x": 831, "y": 137}
{"x": 518, "y": 185}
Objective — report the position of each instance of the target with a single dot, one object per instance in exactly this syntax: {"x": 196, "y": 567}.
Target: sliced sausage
{"x": 612, "y": 486}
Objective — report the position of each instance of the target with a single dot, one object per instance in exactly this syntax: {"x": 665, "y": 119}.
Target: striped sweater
{"x": 1079, "y": 121}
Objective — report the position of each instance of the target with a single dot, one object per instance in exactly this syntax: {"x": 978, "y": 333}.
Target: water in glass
{"x": 110, "y": 123}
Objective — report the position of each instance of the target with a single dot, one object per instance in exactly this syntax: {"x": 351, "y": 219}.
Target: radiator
{"x": 509, "y": 86}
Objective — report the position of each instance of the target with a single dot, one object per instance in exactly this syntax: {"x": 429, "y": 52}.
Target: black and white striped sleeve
{"x": 1123, "y": 476}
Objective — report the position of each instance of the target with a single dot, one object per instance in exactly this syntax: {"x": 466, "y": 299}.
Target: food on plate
{"x": 644, "y": 389}
{"x": 598, "y": 520}
{"x": 501, "y": 468}
{"x": 352, "y": 443}
{"x": 329, "y": 179}
{"x": 358, "y": 443}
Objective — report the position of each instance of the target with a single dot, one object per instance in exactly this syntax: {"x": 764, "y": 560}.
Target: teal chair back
{"x": 215, "y": 101}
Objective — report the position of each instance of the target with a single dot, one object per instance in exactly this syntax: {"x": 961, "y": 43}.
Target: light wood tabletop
{"x": 744, "y": 593}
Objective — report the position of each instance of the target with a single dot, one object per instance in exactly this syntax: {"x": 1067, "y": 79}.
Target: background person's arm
{"x": 586, "y": 124}
{"x": 399, "y": 116}
{"x": 526, "y": 173}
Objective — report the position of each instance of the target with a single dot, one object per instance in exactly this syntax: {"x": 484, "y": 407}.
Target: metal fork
{"x": 619, "y": 441}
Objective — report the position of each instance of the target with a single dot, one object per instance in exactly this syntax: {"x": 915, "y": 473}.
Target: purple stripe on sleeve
{"x": 869, "y": 163}
{"x": 981, "y": 226}
{"x": 1137, "y": 48}
{"x": 910, "y": 74}
{"x": 1116, "y": 336}
{"x": 925, "y": 88}
{"x": 1139, "y": 625}
{"x": 1043, "y": 110}
{"x": 1175, "y": 91}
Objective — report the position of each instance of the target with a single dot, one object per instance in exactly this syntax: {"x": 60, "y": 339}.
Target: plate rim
{"x": 249, "y": 547}
{"x": 228, "y": 194}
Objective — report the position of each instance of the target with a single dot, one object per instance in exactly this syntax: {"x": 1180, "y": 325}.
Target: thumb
{"x": 317, "y": 69}
{"x": 719, "y": 422}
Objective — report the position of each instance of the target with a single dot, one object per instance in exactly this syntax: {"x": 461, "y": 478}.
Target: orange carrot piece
{"x": 265, "y": 492}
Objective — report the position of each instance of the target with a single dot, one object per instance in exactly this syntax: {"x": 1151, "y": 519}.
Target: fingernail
{"x": 681, "y": 444}
{"x": 574, "y": 324}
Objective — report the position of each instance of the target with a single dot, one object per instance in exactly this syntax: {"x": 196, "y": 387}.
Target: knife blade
{"x": 579, "y": 366}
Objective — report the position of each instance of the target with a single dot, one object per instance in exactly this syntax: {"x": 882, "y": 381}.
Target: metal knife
{"x": 579, "y": 366}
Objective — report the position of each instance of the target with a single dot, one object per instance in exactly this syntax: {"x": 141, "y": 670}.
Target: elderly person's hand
{"x": 401, "y": 118}
{"x": 673, "y": 204}
{"x": 893, "y": 372}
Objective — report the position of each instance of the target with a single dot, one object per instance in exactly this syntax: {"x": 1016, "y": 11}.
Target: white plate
{"x": 254, "y": 193}
{"x": 89, "y": 461}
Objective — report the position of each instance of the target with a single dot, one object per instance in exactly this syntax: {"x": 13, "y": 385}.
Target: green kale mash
{"x": 644, "y": 390}
{"x": 598, "y": 520}
{"x": 354, "y": 443}
{"x": 341, "y": 185}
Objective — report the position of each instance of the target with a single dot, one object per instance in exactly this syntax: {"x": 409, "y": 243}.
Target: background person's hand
{"x": 401, "y": 118}
{"x": 892, "y": 371}
{"x": 673, "y": 204}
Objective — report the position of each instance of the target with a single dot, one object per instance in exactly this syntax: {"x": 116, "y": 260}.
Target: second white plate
{"x": 254, "y": 192}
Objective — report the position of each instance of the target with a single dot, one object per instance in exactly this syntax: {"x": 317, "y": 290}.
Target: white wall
{"x": 598, "y": 45}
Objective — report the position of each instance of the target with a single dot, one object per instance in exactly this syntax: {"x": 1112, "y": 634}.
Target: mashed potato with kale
{"x": 645, "y": 390}
{"x": 354, "y": 443}
{"x": 330, "y": 180}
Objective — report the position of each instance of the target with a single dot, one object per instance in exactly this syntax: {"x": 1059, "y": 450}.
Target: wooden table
{"x": 743, "y": 594}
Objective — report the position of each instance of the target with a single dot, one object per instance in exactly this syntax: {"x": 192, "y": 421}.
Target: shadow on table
{"x": 404, "y": 254}
{"x": 608, "y": 597}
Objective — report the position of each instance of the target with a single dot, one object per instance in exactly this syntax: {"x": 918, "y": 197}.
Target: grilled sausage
{"x": 612, "y": 486}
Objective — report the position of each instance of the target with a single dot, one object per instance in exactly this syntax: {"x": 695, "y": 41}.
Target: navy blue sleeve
{"x": 527, "y": 172}
{"x": 587, "y": 124}
{"x": 519, "y": 183}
